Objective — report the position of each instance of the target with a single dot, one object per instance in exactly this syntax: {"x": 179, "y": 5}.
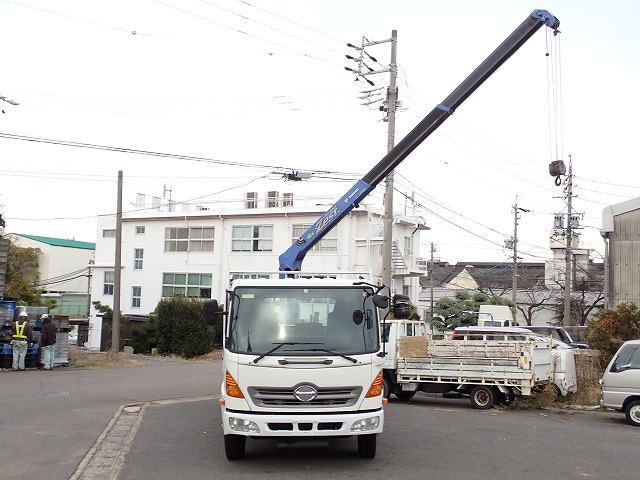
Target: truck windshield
{"x": 306, "y": 321}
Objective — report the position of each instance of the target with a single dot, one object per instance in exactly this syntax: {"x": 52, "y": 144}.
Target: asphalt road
{"x": 69, "y": 424}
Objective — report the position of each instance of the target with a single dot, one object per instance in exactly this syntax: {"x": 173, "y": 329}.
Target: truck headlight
{"x": 242, "y": 425}
{"x": 366, "y": 424}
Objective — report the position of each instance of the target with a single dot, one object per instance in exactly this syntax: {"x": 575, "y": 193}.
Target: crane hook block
{"x": 557, "y": 168}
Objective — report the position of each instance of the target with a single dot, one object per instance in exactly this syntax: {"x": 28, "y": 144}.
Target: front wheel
{"x": 367, "y": 446}
{"x": 386, "y": 390}
{"x": 234, "y": 446}
{"x": 632, "y": 412}
{"x": 482, "y": 397}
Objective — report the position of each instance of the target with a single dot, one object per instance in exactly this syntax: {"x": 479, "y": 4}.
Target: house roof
{"x": 59, "y": 242}
{"x": 487, "y": 275}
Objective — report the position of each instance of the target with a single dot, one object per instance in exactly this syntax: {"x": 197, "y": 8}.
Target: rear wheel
{"x": 482, "y": 397}
{"x": 405, "y": 395}
{"x": 367, "y": 446}
{"x": 234, "y": 446}
{"x": 632, "y": 412}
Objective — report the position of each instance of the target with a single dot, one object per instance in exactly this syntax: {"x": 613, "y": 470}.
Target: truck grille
{"x": 284, "y": 397}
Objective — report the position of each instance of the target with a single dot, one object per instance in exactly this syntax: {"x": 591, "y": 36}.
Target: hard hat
{"x": 23, "y": 314}
{"x": 44, "y": 316}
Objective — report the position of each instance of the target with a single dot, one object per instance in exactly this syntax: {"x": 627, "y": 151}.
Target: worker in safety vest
{"x": 20, "y": 340}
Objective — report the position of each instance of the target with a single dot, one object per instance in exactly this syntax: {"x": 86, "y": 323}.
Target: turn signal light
{"x": 233, "y": 390}
{"x": 376, "y": 387}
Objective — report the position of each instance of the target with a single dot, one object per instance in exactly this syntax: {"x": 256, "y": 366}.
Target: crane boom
{"x": 291, "y": 259}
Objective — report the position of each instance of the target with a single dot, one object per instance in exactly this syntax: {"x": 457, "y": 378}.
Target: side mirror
{"x": 401, "y": 306}
{"x": 212, "y": 314}
{"x": 358, "y": 316}
{"x": 380, "y": 301}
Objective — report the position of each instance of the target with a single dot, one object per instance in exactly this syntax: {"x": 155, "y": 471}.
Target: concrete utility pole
{"x": 392, "y": 98}
{"x": 569, "y": 250}
{"x": 391, "y": 104}
{"x": 433, "y": 249}
{"x": 514, "y": 280}
{"x": 115, "y": 332}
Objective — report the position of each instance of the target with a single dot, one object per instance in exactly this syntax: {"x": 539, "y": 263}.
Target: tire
{"x": 632, "y": 412}
{"x": 234, "y": 446}
{"x": 367, "y": 446}
{"x": 482, "y": 397}
{"x": 386, "y": 391}
{"x": 405, "y": 395}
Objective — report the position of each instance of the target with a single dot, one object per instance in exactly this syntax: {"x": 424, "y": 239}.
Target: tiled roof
{"x": 487, "y": 275}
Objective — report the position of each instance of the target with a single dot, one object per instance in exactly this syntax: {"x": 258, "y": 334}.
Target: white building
{"x": 194, "y": 251}
{"x": 62, "y": 264}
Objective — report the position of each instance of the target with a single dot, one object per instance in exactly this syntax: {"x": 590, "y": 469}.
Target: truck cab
{"x": 301, "y": 362}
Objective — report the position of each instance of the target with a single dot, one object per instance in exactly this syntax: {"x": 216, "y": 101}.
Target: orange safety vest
{"x": 20, "y": 331}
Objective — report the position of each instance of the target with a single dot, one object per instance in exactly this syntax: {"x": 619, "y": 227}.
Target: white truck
{"x": 301, "y": 362}
{"x": 489, "y": 364}
{"x": 296, "y": 372}
{"x": 495, "y": 316}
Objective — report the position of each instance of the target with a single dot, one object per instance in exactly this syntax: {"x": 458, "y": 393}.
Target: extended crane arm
{"x": 291, "y": 259}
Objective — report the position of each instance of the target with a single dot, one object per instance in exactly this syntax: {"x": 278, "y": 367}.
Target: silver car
{"x": 620, "y": 383}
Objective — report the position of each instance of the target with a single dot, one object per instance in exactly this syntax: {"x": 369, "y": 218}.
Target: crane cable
{"x": 554, "y": 100}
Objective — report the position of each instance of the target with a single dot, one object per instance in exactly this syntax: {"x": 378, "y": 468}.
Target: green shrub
{"x": 611, "y": 328}
{"x": 181, "y": 329}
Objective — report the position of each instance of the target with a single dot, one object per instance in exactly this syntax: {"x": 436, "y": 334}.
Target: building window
{"x": 194, "y": 285}
{"x": 252, "y": 238}
{"x": 184, "y": 239}
{"x": 176, "y": 239}
{"x": 329, "y": 243}
{"x": 136, "y": 294}
{"x": 201, "y": 239}
{"x": 137, "y": 258}
{"x": 109, "y": 279}
{"x": 109, "y": 233}
{"x": 140, "y": 230}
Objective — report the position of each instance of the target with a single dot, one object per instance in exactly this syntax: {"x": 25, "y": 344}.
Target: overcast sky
{"x": 262, "y": 84}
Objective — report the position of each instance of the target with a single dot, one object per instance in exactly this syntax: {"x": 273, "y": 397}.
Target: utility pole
{"x": 514, "y": 280}
{"x": 433, "y": 249}
{"x": 89, "y": 289}
{"x": 391, "y": 104}
{"x": 115, "y": 332}
{"x": 392, "y": 98}
{"x": 569, "y": 249}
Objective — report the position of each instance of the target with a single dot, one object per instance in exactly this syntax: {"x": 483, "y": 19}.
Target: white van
{"x": 620, "y": 383}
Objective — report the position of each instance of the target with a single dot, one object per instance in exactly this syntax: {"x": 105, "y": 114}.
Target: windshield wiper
{"x": 331, "y": 352}
{"x": 280, "y": 345}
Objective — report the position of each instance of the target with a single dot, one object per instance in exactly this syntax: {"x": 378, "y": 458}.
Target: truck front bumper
{"x": 302, "y": 425}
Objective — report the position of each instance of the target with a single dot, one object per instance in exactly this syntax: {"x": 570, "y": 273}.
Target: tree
{"x": 611, "y": 328}
{"x": 450, "y": 308}
{"x": 535, "y": 301}
{"x": 22, "y": 274}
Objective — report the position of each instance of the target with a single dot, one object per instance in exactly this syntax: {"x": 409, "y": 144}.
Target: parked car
{"x": 558, "y": 333}
{"x": 620, "y": 382}
{"x": 577, "y": 332}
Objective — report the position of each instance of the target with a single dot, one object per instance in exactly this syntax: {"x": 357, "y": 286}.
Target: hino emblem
{"x": 305, "y": 393}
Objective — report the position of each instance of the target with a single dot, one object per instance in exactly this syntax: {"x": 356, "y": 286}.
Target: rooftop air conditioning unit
{"x": 287, "y": 199}
{"x": 251, "y": 200}
{"x": 272, "y": 199}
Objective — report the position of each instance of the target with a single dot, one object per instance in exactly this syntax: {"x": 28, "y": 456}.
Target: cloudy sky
{"x": 229, "y": 94}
